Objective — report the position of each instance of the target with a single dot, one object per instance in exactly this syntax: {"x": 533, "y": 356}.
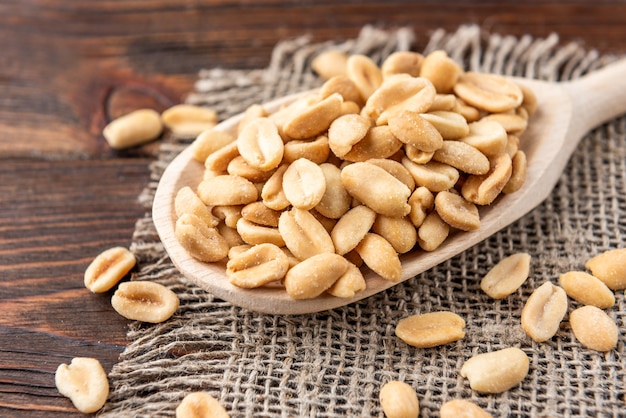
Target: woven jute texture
{"x": 333, "y": 364}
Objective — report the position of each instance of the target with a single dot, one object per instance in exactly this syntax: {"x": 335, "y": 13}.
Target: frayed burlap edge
{"x": 333, "y": 364}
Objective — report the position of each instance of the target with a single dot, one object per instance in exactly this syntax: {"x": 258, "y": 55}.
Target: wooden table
{"x": 68, "y": 67}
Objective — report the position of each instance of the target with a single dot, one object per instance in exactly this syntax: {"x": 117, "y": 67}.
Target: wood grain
{"x": 54, "y": 218}
{"x": 73, "y": 58}
{"x": 68, "y": 67}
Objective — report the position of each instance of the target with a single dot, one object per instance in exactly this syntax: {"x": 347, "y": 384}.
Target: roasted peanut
{"x": 378, "y": 143}
{"x": 396, "y": 169}
{"x": 84, "y": 382}
{"x": 610, "y": 267}
{"x": 402, "y": 62}
{"x": 187, "y": 201}
{"x": 200, "y": 240}
{"x": 189, "y": 120}
{"x": 412, "y": 129}
{"x": 443, "y": 102}
{"x": 260, "y": 145}
{"x": 251, "y": 113}
{"x": 456, "y": 211}
{"x": 399, "y": 400}
{"x": 512, "y": 123}
{"x": 433, "y": 232}
{"x": 450, "y": 125}
{"x": 303, "y": 234}
{"x": 304, "y": 184}
{"x": 399, "y": 232}
{"x": 133, "y": 129}
{"x": 227, "y": 190}
{"x": 316, "y": 150}
{"x": 496, "y": 371}
{"x": 208, "y": 142}
{"x": 230, "y": 235}
{"x": 485, "y": 188}
{"x": 252, "y": 233}
{"x": 460, "y": 408}
{"x": 314, "y": 119}
{"x": 230, "y": 214}
{"x": 397, "y": 93}
{"x": 487, "y": 136}
{"x": 463, "y": 157}
{"x": 433, "y": 175}
{"x": 506, "y": 276}
{"x": 380, "y": 256}
{"x": 336, "y": 201}
{"x": 330, "y": 63}
{"x": 490, "y": 92}
{"x": 145, "y": 301}
{"x": 260, "y": 214}
{"x": 313, "y": 276}
{"x": 238, "y": 166}
{"x": 518, "y": 173}
{"x": 376, "y": 188}
{"x": 272, "y": 193}
{"x": 431, "y": 329}
{"x": 441, "y": 70}
{"x": 108, "y": 268}
{"x": 219, "y": 159}
{"x": 349, "y": 284}
{"x": 594, "y": 328}
{"x": 345, "y": 87}
{"x": 352, "y": 228}
{"x": 345, "y": 132}
{"x": 200, "y": 405}
{"x": 417, "y": 155}
{"x": 543, "y": 312}
{"x": 364, "y": 73}
{"x": 257, "y": 266}
{"x": 587, "y": 289}
{"x": 422, "y": 201}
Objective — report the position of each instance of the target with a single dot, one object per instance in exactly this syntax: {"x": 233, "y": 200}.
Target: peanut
{"x": 460, "y": 408}
{"x": 133, "y": 129}
{"x": 200, "y": 405}
{"x": 316, "y": 274}
{"x": 189, "y": 120}
{"x": 507, "y": 276}
{"x": 84, "y": 382}
{"x": 543, "y": 312}
{"x": 257, "y": 266}
{"x": 399, "y": 400}
{"x": 610, "y": 267}
{"x": 145, "y": 301}
{"x": 108, "y": 268}
{"x": 587, "y": 289}
{"x": 431, "y": 329}
{"x": 594, "y": 328}
{"x": 496, "y": 371}
{"x": 201, "y": 241}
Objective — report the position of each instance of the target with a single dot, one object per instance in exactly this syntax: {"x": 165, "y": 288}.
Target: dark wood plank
{"x": 54, "y": 218}
{"x": 73, "y": 58}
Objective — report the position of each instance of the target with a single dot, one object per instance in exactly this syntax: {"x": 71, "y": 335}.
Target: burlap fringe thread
{"x": 332, "y": 364}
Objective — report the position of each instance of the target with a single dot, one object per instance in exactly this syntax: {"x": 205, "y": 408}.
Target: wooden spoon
{"x": 566, "y": 112}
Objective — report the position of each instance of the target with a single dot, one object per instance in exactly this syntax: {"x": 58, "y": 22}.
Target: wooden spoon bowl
{"x": 566, "y": 112}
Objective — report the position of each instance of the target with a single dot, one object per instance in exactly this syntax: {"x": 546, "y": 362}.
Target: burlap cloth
{"x": 333, "y": 363}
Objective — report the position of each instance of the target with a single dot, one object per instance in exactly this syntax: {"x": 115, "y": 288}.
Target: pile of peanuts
{"x": 378, "y": 162}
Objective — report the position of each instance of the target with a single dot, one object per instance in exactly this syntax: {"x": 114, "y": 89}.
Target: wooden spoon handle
{"x": 597, "y": 97}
